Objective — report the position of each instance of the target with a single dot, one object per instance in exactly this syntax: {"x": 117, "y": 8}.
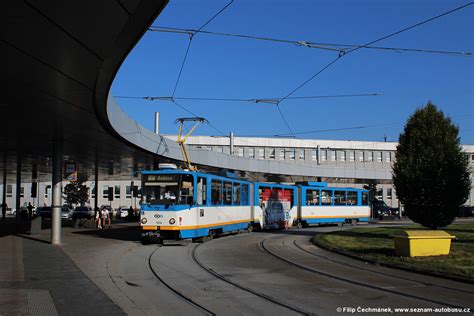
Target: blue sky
{"x": 221, "y": 67}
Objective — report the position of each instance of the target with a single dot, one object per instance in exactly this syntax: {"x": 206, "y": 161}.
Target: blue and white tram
{"x": 322, "y": 204}
{"x": 179, "y": 204}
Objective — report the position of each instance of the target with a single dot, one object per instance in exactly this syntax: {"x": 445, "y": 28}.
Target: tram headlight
{"x": 144, "y": 220}
{"x": 172, "y": 221}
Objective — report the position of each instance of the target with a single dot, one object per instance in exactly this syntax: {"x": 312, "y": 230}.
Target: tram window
{"x": 339, "y": 197}
{"x": 312, "y": 197}
{"x": 365, "y": 198}
{"x": 326, "y": 197}
{"x": 245, "y": 194}
{"x": 164, "y": 189}
{"x": 351, "y": 197}
{"x": 186, "y": 190}
{"x": 201, "y": 191}
{"x": 236, "y": 193}
{"x": 227, "y": 193}
{"x": 216, "y": 188}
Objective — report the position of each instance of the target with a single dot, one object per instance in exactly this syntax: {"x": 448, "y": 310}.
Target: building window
{"x": 389, "y": 193}
{"x": 251, "y": 152}
{"x": 261, "y": 153}
{"x": 332, "y": 154}
{"x": 282, "y": 154}
{"x": 370, "y": 156}
{"x": 472, "y": 157}
{"x": 219, "y": 149}
{"x": 22, "y": 191}
{"x": 388, "y": 156}
{"x": 342, "y": 155}
{"x": 272, "y": 153}
{"x": 323, "y": 155}
{"x": 9, "y": 190}
{"x": 117, "y": 191}
{"x": 314, "y": 154}
{"x": 240, "y": 151}
{"x": 379, "y": 156}
{"x": 361, "y": 156}
{"x": 351, "y": 156}
{"x": 92, "y": 190}
{"x": 128, "y": 192}
{"x": 291, "y": 154}
{"x": 302, "y": 154}
{"x": 105, "y": 191}
{"x": 379, "y": 194}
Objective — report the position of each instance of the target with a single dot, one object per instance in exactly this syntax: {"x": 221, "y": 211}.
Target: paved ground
{"x": 39, "y": 279}
{"x": 101, "y": 272}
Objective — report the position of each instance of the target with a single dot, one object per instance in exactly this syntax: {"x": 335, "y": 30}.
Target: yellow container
{"x": 417, "y": 243}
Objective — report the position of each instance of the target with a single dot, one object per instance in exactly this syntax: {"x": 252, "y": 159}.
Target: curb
{"x": 388, "y": 265}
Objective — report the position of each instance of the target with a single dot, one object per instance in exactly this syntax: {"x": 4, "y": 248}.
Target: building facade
{"x": 359, "y": 157}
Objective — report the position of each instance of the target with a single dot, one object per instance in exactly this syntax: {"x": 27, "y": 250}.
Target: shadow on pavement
{"x": 127, "y": 233}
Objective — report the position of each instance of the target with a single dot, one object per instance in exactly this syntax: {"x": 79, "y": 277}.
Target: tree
{"x": 430, "y": 172}
{"x": 76, "y": 192}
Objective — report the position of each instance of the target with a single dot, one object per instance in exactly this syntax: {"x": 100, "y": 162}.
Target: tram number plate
{"x": 201, "y": 212}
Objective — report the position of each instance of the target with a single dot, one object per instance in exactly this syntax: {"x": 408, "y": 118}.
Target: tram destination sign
{"x": 162, "y": 178}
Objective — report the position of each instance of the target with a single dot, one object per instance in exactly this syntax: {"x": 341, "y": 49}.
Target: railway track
{"x": 189, "y": 300}
{"x": 249, "y": 290}
{"x": 264, "y": 248}
{"x": 377, "y": 272}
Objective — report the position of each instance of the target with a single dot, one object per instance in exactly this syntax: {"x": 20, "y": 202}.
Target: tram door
{"x": 275, "y": 203}
{"x": 201, "y": 199}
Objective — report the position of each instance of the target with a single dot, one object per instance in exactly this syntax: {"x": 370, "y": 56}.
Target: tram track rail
{"x": 378, "y": 272}
{"x": 265, "y": 249}
{"x": 175, "y": 291}
{"x": 108, "y": 268}
{"x": 247, "y": 289}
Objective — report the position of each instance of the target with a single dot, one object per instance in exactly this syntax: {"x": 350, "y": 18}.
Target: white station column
{"x": 157, "y": 122}
{"x": 57, "y": 191}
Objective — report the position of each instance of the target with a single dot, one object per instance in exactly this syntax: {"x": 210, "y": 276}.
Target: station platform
{"x": 37, "y": 278}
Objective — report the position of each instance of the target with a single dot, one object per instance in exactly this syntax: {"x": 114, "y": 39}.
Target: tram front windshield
{"x": 168, "y": 188}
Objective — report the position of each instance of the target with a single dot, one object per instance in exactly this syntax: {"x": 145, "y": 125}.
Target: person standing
{"x": 4, "y": 210}
{"x": 30, "y": 211}
{"x": 97, "y": 218}
{"x": 105, "y": 217}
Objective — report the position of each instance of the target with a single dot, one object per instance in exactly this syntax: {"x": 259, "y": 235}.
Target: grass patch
{"x": 376, "y": 244}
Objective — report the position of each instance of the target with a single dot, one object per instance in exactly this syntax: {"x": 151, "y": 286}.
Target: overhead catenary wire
{"x": 270, "y": 100}
{"x": 310, "y": 44}
{"x": 191, "y": 35}
{"x": 343, "y": 53}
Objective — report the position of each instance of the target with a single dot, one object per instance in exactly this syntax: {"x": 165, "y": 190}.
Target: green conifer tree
{"x": 430, "y": 172}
